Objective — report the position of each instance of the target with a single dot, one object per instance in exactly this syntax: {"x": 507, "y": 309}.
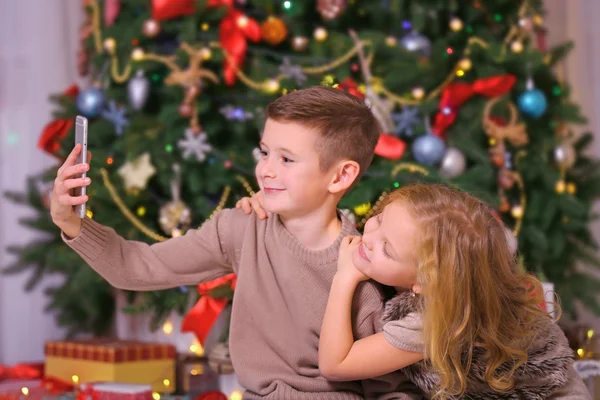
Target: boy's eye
{"x": 263, "y": 153}
{"x": 286, "y": 160}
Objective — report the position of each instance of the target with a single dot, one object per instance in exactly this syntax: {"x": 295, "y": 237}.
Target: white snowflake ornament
{"x": 195, "y": 144}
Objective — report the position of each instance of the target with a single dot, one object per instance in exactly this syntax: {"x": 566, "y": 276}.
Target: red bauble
{"x": 390, "y": 147}
{"x": 167, "y": 9}
{"x": 212, "y": 395}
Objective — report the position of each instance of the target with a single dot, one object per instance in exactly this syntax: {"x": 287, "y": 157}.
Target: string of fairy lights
{"x": 198, "y": 53}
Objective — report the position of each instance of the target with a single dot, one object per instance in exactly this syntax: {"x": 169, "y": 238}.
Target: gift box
{"x": 112, "y": 361}
{"x": 194, "y": 375}
{"x": 116, "y": 391}
{"x": 32, "y": 389}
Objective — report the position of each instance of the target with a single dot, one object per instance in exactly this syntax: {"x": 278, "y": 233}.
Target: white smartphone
{"x": 81, "y": 135}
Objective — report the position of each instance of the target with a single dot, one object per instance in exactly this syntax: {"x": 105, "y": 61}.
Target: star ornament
{"x": 116, "y": 115}
{"x": 196, "y": 145}
{"x": 136, "y": 173}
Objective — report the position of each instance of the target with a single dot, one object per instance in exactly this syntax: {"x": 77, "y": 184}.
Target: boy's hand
{"x": 61, "y": 201}
{"x": 346, "y": 266}
{"x": 253, "y": 203}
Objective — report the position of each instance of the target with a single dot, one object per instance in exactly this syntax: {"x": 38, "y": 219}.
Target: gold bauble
{"x": 320, "y": 34}
{"x": 516, "y": 46}
{"x": 391, "y": 41}
{"x": 560, "y": 187}
{"x": 137, "y": 54}
{"x": 205, "y": 53}
{"x": 418, "y": 93}
{"x": 174, "y": 215}
{"x": 571, "y": 188}
{"x": 271, "y": 86}
{"x": 465, "y": 64}
{"x": 456, "y": 24}
{"x": 273, "y": 30}
{"x": 362, "y": 209}
{"x": 517, "y": 212}
{"x": 110, "y": 45}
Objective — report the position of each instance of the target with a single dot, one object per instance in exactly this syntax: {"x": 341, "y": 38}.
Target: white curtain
{"x": 576, "y": 20}
{"x": 38, "y": 41}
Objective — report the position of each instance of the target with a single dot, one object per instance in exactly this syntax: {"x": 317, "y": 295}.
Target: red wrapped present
{"x": 31, "y": 389}
{"x": 115, "y": 391}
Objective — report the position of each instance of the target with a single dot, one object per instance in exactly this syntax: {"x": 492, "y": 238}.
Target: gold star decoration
{"x": 136, "y": 173}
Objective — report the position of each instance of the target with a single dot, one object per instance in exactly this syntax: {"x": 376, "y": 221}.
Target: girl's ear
{"x": 416, "y": 288}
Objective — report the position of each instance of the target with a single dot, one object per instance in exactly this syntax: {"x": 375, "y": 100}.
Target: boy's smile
{"x": 289, "y": 172}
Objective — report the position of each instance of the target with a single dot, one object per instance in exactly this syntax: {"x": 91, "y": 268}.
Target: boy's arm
{"x": 368, "y": 306}
{"x": 201, "y": 255}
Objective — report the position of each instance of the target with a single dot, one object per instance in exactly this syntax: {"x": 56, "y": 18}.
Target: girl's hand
{"x": 249, "y": 204}
{"x": 346, "y": 268}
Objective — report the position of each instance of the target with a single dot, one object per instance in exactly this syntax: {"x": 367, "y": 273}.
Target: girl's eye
{"x": 286, "y": 160}
{"x": 263, "y": 153}
{"x": 385, "y": 253}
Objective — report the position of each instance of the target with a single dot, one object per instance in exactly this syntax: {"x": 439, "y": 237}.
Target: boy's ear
{"x": 346, "y": 173}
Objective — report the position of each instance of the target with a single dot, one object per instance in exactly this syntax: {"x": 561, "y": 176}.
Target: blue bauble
{"x": 532, "y": 103}
{"x": 428, "y": 149}
{"x": 90, "y": 102}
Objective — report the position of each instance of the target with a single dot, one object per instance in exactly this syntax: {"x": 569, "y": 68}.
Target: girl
{"x": 465, "y": 323}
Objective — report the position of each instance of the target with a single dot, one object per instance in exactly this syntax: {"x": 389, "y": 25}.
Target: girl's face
{"x": 387, "y": 252}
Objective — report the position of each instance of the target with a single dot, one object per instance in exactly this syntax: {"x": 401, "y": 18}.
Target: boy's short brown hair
{"x": 347, "y": 126}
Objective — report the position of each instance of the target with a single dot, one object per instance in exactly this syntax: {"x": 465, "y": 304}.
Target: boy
{"x": 316, "y": 143}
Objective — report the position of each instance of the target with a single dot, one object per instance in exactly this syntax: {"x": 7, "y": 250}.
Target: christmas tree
{"x": 465, "y": 92}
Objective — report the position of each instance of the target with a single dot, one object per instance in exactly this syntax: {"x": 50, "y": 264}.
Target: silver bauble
{"x": 565, "y": 155}
{"x": 138, "y": 89}
{"x": 416, "y": 42}
{"x": 453, "y": 163}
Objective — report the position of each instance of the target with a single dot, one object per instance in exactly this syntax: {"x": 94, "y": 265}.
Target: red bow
{"x": 456, "y": 94}
{"x": 21, "y": 371}
{"x": 54, "y": 132}
{"x": 205, "y": 312}
{"x": 234, "y": 29}
{"x": 87, "y": 394}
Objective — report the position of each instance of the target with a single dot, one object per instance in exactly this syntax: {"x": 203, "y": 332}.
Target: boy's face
{"x": 288, "y": 172}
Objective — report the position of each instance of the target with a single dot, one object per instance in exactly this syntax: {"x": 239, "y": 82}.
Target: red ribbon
{"x": 234, "y": 30}
{"x": 21, "y": 371}
{"x": 205, "y": 312}
{"x": 456, "y": 94}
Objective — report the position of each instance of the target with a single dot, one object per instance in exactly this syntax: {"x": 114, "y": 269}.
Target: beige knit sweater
{"x": 280, "y": 298}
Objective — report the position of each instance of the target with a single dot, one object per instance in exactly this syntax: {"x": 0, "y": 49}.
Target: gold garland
{"x": 272, "y": 84}
{"x": 140, "y": 225}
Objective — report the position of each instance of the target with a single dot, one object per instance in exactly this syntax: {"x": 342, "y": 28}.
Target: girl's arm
{"x": 343, "y": 359}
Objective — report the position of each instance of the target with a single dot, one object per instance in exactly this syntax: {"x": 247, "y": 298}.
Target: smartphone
{"x": 81, "y": 135}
